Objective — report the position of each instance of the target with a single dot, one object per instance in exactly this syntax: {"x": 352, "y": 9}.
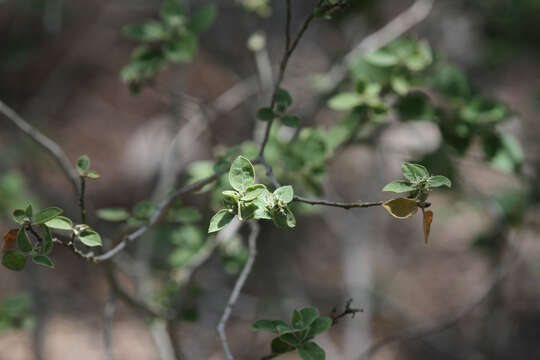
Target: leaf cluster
{"x": 298, "y": 335}
{"x": 283, "y": 101}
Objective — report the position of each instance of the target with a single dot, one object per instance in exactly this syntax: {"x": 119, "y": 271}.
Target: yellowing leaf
{"x": 428, "y": 219}
{"x": 9, "y": 240}
{"x": 401, "y": 208}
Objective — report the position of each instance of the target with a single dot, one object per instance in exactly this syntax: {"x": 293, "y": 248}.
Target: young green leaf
{"x": 345, "y": 101}
{"x": 290, "y": 120}
{"x": 47, "y": 245}
{"x": 247, "y": 210}
{"x": 83, "y": 164}
{"x": 91, "y": 174}
{"x": 220, "y": 220}
{"x": 113, "y": 214}
{"x": 19, "y": 215}
{"x": 43, "y": 260}
{"x": 398, "y": 187}
{"x": 149, "y": 30}
{"x": 29, "y": 212}
{"x": 265, "y": 114}
{"x": 264, "y": 325}
{"x": 278, "y": 346}
{"x": 283, "y": 98}
{"x": 172, "y": 12}
{"x": 182, "y": 50}
{"x": 284, "y": 194}
{"x": 14, "y": 260}
{"x": 46, "y": 215}
{"x": 23, "y": 242}
{"x": 381, "y": 58}
{"x": 60, "y": 223}
{"x": 291, "y": 220}
{"x": 253, "y": 192}
{"x": 297, "y": 320}
{"x": 439, "y": 180}
{"x": 241, "y": 174}
{"x": 311, "y": 351}
{"x": 319, "y": 326}
{"x": 309, "y": 315}
{"x": 202, "y": 19}
{"x": 90, "y": 238}
{"x": 414, "y": 172}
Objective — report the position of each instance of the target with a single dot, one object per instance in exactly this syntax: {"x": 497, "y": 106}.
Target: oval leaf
{"x": 43, "y": 261}
{"x": 311, "y": 351}
{"x": 23, "y": 242}
{"x": 345, "y": 101}
{"x": 113, "y": 214}
{"x": 14, "y": 260}
{"x": 278, "y": 346}
{"x": 414, "y": 172}
{"x": 60, "y": 223}
{"x": 83, "y": 164}
{"x": 398, "y": 187}
{"x": 90, "y": 238}
{"x": 309, "y": 315}
{"x": 220, "y": 220}
{"x": 254, "y": 192}
{"x": 290, "y": 120}
{"x": 241, "y": 174}
{"x": 284, "y": 194}
{"x": 265, "y": 114}
{"x": 47, "y": 245}
{"x": 47, "y": 214}
{"x": 439, "y": 180}
{"x": 401, "y": 208}
{"x": 19, "y": 215}
{"x": 319, "y": 326}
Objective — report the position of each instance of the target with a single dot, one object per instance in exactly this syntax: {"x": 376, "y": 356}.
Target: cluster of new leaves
{"x": 418, "y": 185}
{"x": 83, "y": 168}
{"x": 283, "y": 101}
{"x": 252, "y": 201}
{"x": 171, "y": 38}
{"x": 305, "y": 325}
{"x": 16, "y": 312}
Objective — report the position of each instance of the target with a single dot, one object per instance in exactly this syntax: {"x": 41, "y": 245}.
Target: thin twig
{"x": 81, "y": 199}
{"x": 238, "y": 288}
{"x": 269, "y": 172}
{"x": 347, "y": 311}
{"x": 53, "y": 148}
{"x": 358, "y": 204}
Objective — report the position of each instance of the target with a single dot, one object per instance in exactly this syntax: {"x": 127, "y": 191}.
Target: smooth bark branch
{"x": 358, "y": 204}
{"x": 221, "y": 328}
{"x": 52, "y": 148}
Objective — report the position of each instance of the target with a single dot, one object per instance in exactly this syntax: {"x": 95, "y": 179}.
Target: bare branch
{"x": 358, "y": 204}
{"x": 52, "y": 148}
{"x": 238, "y": 288}
{"x": 269, "y": 172}
{"x": 347, "y": 311}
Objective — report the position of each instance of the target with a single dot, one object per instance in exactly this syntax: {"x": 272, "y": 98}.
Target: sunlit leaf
{"x": 60, "y": 223}
{"x": 221, "y": 219}
{"x": 90, "y": 238}
{"x": 46, "y": 215}
{"x": 398, "y": 187}
{"x": 43, "y": 261}
{"x": 241, "y": 174}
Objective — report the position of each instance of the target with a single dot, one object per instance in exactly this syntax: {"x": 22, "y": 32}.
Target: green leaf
{"x": 381, "y": 58}
{"x": 182, "y": 50}
{"x": 399, "y": 187}
{"x": 113, "y": 214}
{"x": 90, "y": 238}
{"x": 185, "y": 215}
{"x": 150, "y": 30}
{"x": 262, "y": 211}
{"x": 297, "y": 320}
{"x": 202, "y": 19}
{"x": 290, "y": 120}
{"x": 309, "y": 315}
{"x": 284, "y": 194}
{"x": 60, "y": 223}
{"x": 278, "y": 346}
{"x": 29, "y": 212}
{"x": 232, "y": 194}
{"x": 247, "y": 210}
{"x": 291, "y": 220}
{"x": 290, "y": 339}
{"x": 43, "y": 261}
{"x": 264, "y": 325}
{"x": 283, "y": 217}
{"x": 47, "y": 245}
{"x": 47, "y": 214}
{"x": 83, "y": 164}
{"x": 220, "y": 220}
{"x": 241, "y": 174}
{"x": 319, "y": 326}
{"x": 14, "y": 260}
{"x": 23, "y": 242}
{"x": 439, "y": 180}
{"x": 311, "y": 351}
{"x": 400, "y": 85}
{"x": 19, "y": 215}
{"x": 265, "y": 114}
{"x": 143, "y": 210}
{"x": 414, "y": 172}
{"x": 91, "y": 174}
{"x": 253, "y": 192}
{"x": 172, "y": 12}
{"x": 345, "y": 101}
{"x": 283, "y": 98}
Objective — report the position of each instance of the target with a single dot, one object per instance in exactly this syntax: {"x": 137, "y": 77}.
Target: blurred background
{"x": 471, "y": 293}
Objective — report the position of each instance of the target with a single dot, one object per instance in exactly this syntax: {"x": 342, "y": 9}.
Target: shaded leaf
{"x": 439, "y": 180}
{"x": 14, "y": 260}
{"x": 43, "y": 261}
{"x": 290, "y": 120}
{"x": 311, "y": 351}
{"x": 265, "y": 114}
{"x": 309, "y": 315}
{"x": 23, "y": 242}
{"x": 283, "y": 97}
{"x": 47, "y": 245}
{"x": 202, "y": 19}
{"x": 278, "y": 346}
{"x": 319, "y": 326}
{"x": 401, "y": 208}
{"x": 19, "y": 215}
